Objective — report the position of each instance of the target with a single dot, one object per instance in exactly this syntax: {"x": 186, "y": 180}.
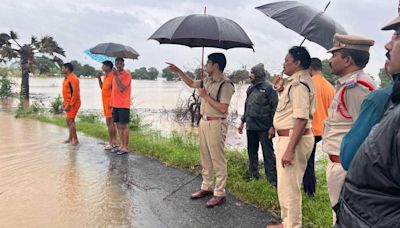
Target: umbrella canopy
{"x": 313, "y": 24}
{"x": 99, "y": 58}
{"x": 199, "y": 30}
{"x": 115, "y": 50}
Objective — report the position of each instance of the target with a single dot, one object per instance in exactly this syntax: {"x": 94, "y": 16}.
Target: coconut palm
{"x": 11, "y": 49}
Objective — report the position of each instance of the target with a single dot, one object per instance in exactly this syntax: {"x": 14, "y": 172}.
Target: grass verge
{"x": 182, "y": 151}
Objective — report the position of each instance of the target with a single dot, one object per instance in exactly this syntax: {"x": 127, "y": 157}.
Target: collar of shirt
{"x": 297, "y": 74}
{"x": 220, "y": 79}
{"x": 346, "y": 78}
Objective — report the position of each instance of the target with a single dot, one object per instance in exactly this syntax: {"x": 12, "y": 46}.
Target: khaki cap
{"x": 351, "y": 42}
{"x": 393, "y": 24}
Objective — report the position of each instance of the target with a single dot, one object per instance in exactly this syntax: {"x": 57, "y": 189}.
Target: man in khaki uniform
{"x": 292, "y": 122}
{"x": 350, "y": 55}
{"x": 215, "y": 98}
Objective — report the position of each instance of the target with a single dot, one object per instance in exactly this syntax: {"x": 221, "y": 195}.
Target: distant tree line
{"x": 44, "y": 66}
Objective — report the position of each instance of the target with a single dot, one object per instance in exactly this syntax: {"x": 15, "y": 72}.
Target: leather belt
{"x": 210, "y": 118}
{"x": 334, "y": 158}
{"x": 286, "y": 132}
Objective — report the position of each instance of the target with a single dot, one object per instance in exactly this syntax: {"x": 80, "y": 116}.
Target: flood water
{"x": 45, "y": 183}
{"x": 154, "y": 101}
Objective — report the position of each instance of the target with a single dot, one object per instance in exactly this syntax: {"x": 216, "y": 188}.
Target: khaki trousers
{"x": 290, "y": 179}
{"x": 335, "y": 175}
{"x": 212, "y": 142}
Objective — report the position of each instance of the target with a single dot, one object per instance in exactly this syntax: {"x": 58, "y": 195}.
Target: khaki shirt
{"x": 337, "y": 126}
{"x": 298, "y": 104}
{"x": 211, "y": 87}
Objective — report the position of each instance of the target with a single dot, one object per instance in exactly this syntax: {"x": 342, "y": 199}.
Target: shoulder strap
{"x": 341, "y": 97}
{"x": 304, "y": 84}
{"x": 219, "y": 89}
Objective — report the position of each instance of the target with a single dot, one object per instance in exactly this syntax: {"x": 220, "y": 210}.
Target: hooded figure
{"x": 259, "y": 73}
{"x": 259, "y": 112}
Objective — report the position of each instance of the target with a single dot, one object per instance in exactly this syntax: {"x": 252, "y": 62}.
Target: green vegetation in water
{"x": 6, "y": 87}
{"x": 182, "y": 151}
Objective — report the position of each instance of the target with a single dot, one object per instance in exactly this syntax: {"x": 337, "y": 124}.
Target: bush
{"x": 90, "y": 118}
{"x": 5, "y": 87}
{"x": 37, "y": 107}
{"x": 135, "y": 122}
{"x": 56, "y": 105}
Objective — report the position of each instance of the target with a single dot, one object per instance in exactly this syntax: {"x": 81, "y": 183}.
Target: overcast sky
{"x": 81, "y": 24}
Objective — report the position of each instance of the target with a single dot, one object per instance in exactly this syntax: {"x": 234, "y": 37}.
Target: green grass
{"x": 182, "y": 151}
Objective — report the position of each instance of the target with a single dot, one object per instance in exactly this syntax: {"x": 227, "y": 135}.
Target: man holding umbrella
{"x": 121, "y": 103}
{"x": 106, "y": 88}
{"x": 215, "y": 99}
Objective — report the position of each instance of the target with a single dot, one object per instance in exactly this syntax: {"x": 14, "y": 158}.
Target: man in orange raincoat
{"x": 106, "y": 87}
{"x": 72, "y": 101}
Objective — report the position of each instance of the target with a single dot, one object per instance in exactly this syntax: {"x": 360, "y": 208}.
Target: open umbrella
{"x": 99, "y": 58}
{"x": 198, "y": 30}
{"x": 312, "y": 24}
{"x": 115, "y": 50}
{"x": 202, "y": 30}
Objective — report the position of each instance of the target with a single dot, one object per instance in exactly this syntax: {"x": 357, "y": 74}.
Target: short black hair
{"x": 360, "y": 58}
{"x": 316, "y": 64}
{"x": 119, "y": 58}
{"x": 218, "y": 58}
{"x": 69, "y": 66}
{"x": 108, "y": 63}
{"x": 301, "y": 54}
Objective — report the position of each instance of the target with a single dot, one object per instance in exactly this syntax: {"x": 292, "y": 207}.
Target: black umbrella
{"x": 312, "y": 24}
{"x": 198, "y": 30}
{"x": 115, "y": 50}
{"x": 202, "y": 30}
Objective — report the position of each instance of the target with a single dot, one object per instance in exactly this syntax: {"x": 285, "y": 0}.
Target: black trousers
{"x": 309, "y": 180}
{"x": 254, "y": 138}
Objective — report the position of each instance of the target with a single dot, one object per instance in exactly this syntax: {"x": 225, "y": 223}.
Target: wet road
{"x": 44, "y": 183}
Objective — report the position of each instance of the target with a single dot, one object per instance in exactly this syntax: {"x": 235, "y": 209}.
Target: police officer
{"x": 350, "y": 55}
{"x": 371, "y": 193}
{"x": 292, "y": 121}
{"x": 215, "y": 99}
{"x": 258, "y": 114}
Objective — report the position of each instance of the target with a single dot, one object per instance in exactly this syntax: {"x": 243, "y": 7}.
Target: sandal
{"x": 121, "y": 152}
{"x": 108, "y": 147}
{"x": 114, "y": 150}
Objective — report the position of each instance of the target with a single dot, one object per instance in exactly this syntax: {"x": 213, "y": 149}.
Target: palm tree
{"x": 10, "y": 49}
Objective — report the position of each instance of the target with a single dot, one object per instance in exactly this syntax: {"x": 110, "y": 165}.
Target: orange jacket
{"x": 70, "y": 90}
{"x": 121, "y": 99}
{"x": 324, "y": 93}
{"x": 106, "y": 88}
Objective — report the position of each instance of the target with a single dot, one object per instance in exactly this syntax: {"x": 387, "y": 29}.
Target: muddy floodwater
{"x": 45, "y": 183}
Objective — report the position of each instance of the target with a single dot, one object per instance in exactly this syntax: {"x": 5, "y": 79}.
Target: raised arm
{"x": 185, "y": 78}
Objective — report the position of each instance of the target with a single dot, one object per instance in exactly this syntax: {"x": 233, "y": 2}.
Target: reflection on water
{"x": 48, "y": 184}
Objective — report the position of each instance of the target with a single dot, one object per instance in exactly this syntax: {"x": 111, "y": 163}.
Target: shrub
{"x": 5, "y": 87}
{"x": 56, "y": 105}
